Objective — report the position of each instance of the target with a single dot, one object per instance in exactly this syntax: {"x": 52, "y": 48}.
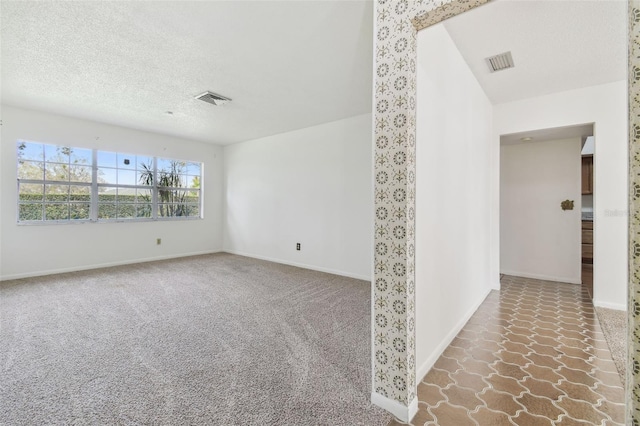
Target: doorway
{"x": 542, "y": 203}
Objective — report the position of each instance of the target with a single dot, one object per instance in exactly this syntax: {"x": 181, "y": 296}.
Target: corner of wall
{"x": 400, "y": 411}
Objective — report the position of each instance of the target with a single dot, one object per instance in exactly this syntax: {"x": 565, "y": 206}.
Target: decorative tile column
{"x": 396, "y": 25}
{"x": 633, "y": 364}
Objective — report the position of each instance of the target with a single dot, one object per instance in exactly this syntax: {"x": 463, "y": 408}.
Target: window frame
{"x": 94, "y": 188}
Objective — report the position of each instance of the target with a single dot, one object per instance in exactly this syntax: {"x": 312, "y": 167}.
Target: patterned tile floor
{"x": 533, "y": 354}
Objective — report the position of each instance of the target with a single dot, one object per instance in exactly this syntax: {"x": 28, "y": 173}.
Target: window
{"x": 64, "y": 184}
{"x": 122, "y": 191}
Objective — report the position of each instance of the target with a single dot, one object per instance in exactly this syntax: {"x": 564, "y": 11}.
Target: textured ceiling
{"x": 557, "y": 45}
{"x": 286, "y": 65}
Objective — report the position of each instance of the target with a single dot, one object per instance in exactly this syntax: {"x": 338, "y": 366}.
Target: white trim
{"x": 399, "y": 410}
{"x": 543, "y": 277}
{"x": 426, "y": 366}
{"x": 103, "y": 265}
{"x": 608, "y": 305}
{"x": 300, "y": 265}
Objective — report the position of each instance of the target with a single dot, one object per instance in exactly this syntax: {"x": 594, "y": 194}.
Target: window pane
{"x": 107, "y": 176}
{"x": 165, "y": 195}
{"x": 56, "y": 211}
{"x": 107, "y": 159}
{"x": 165, "y": 210}
{"x": 79, "y": 211}
{"x": 126, "y": 211}
{"x": 164, "y": 164}
{"x": 106, "y": 194}
{"x": 31, "y": 192}
{"x": 30, "y": 151}
{"x": 126, "y": 177}
{"x": 31, "y": 170}
{"x": 80, "y": 173}
{"x": 81, "y": 156}
{"x": 56, "y": 171}
{"x": 126, "y": 195}
{"x": 144, "y": 177}
{"x": 192, "y": 197}
{"x": 173, "y": 181}
{"x": 57, "y": 154}
{"x": 144, "y": 195}
{"x": 193, "y": 181}
{"x": 172, "y": 195}
{"x": 144, "y": 163}
{"x": 30, "y": 212}
{"x": 172, "y": 210}
{"x": 193, "y": 168}
{"x": 80, "y": 193}
{"x": 58, "y": 193}
{"x": 143, "y": 210}
{"x": 107, "y": 211}
{"x": 126, "y": 161}
{"x": 193, "y": 210}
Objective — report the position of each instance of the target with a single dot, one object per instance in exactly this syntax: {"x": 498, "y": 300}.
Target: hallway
{"x": 533, "y": 354}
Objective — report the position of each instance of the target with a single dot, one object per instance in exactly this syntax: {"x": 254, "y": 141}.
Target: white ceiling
{"x": 557, "y": 45}
{"x": 286, "y": 65}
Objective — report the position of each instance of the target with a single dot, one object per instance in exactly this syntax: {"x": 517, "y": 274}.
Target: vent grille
{"x": 213, "y": 98}
{"x": 500, "y": 62}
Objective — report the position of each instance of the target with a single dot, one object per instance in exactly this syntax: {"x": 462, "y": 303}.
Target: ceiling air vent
{"x": 500, "y": 62}
{"x": 213, "y": 98}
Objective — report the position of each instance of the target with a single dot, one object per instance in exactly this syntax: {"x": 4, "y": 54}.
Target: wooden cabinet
{"x": 587, "y": 174}
{"x": 587, "y": 241}
{"x": 587, "y": 256}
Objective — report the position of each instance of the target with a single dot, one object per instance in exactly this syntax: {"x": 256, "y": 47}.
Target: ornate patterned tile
{"x": 556, "y": 373}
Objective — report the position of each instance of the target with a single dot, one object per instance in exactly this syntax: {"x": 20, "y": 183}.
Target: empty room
{"x": 319, "y": 212}
{"x": 173, "y": 258}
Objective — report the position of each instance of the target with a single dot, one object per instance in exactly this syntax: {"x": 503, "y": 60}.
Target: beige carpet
{"x": 217, "y": 339}
{"x": 614, "y": 327}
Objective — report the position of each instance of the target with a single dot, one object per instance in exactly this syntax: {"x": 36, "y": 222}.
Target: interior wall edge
{"x": 607, "y": 305}
{"x": 567, "y": 280}
{"x": 424, "y": 368}
{"x": 103, "y": 265}
{"x": 299, "y": 265}
{"x": 402, "y": 412}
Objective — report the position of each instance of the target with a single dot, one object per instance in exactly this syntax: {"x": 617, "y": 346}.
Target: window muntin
{"x": 64, "y": 184}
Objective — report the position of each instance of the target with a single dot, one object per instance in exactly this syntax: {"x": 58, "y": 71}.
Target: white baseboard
{"x": 426, "y": 366}
{"x": 567, "y": 280}
{"x": 300, "y": 265}
{"x": 608, "y": 305}
{"x": 400, "y": 411}
{"x": 103, "y": 265}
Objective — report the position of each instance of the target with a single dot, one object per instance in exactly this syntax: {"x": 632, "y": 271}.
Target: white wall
{"x": 537, "y": 238}
{"x": 606, "y": 106}
{"x": 454, "y": 157}
{"x": 29, "y": 250}
{"x": 311, "y": 186}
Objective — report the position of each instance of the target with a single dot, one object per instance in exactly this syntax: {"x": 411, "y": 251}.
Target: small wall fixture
{"x": 567, "y": 205}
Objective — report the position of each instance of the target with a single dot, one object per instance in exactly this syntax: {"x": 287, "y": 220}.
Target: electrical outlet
{"x": 158, "y": 241}
{"x": 297, "y": 246}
